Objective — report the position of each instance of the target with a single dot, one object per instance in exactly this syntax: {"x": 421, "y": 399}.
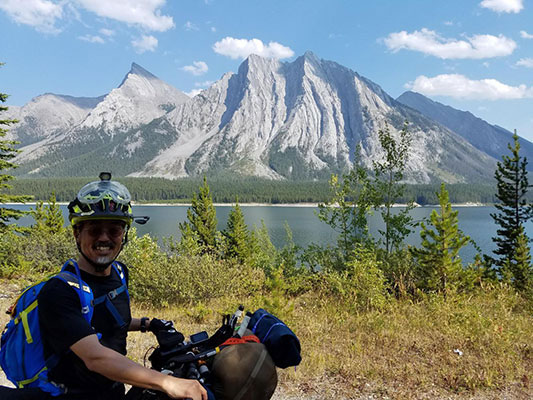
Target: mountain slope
{"x": 490, "y": 139}
{"x": 297, "y": 120}
{"x": 140, "y": 99}
{"x": 48, "y": 115}
{"x": 303, "y": 120}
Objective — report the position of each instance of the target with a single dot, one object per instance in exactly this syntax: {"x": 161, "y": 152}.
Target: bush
{"x": 34, "y": 253}
{"x": 162, "y": 279}
{"x": 361, "y": 284}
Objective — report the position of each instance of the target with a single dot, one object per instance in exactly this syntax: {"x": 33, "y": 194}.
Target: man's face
{"x": 100, "y": 241}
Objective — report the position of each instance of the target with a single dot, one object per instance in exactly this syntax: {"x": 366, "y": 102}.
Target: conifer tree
{"x": 7, "y": 152}
{"x": 388, "y": 175}
{"x": 519, "y": 269}
{"x": 513, "y": 209}
{"x": 237, "y": 235}
{"x": 438, "y": 258}
{"x": 48, "y": 218}
{"x": 202, "y": 219}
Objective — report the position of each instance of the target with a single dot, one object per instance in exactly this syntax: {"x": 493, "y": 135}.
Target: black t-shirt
{"x": 62, "y": 324}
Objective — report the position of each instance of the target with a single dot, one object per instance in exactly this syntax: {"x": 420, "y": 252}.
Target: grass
{"x": 405, "y": 350}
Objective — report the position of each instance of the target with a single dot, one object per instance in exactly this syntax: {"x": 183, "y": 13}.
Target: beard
{"x": 102, "y": 262}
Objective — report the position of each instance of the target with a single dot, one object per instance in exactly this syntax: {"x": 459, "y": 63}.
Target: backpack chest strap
{"x": 107, "y": 300}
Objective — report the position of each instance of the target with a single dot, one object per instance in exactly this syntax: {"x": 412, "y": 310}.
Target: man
{"x": 92, "y": 356}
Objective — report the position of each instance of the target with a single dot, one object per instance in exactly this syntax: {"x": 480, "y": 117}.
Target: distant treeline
{"x": 247, "y": 190}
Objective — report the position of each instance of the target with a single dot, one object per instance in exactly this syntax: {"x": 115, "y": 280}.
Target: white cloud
{"x": 145, "y": 43}
{"x": 44, "y": 14}
{"x": 193, "y": 92}
{"x": 91, "y": 39}
{"x": 525, "y": 62}
{"x": 198, "y": 68}
{"x": 41, "y": 14}
{"x": 189, "y": 26}
{"x": 525, "y": 35}
{"x": 448, "y": 23}
{"x": 143, "y": 13}
{"x": 507, "y": 6}
{"x": 459, "y": 86}
{"x": 203, "y": 84}
{"x": 242, "y": 48}
{"x": 429, "y": 42}
{"x": 213, "y": 29}
{"x": 106, "y": 32}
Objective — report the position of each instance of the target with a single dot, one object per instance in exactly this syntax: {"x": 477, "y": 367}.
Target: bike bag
{"x": 280, "y": 341}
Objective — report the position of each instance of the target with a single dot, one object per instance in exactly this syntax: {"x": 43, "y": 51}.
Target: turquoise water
{"x": 305, "y": 225}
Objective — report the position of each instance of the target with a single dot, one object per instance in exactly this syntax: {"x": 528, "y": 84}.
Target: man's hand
{"x": 157, "y": 325}
{"x": 117, "y": 367}
{"x": 177, "y": 388}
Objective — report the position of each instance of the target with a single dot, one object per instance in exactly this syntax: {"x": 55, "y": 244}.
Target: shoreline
{"x": 254, "y": 204}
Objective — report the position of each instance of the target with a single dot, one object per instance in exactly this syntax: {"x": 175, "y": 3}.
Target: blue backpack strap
{"x": 108, "y": 297}
{"x": 121, "y": 271}
{"x": 84, "y": 291}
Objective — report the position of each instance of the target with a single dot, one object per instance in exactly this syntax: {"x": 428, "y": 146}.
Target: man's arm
{"x": 135, "y": 324}
{"x": 117, "y": 367}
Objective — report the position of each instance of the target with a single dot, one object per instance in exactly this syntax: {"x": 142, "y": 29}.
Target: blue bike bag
{"x": 280, "y": 341}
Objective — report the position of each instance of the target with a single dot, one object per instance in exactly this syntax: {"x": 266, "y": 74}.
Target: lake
{"x": 305, "y": 225}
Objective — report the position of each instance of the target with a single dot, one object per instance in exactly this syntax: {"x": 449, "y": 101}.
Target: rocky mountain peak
{"x": 137, "y": 70}
{"x": 254, "y": 64}
{"x": 311, "y": 57}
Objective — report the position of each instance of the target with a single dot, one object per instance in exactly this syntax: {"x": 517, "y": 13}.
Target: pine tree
{"x": 440, "y": 264}
{"x": 520, "y": 269}
{"x": 7, "y": 152}
{"x": 202, "y": 219}
{"x": 388, "y": 175}
{"x": 48, "y": 218}
{"x": 513, "y": 210}
{"x": 237, "y": 235}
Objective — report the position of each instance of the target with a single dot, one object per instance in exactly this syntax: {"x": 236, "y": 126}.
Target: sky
{"x": 474, "y": 55}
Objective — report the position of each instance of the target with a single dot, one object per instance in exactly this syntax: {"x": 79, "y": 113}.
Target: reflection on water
{"x": 305, "y": 225}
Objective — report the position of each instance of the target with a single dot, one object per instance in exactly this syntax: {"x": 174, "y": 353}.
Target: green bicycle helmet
{"x": 103, "y": 199}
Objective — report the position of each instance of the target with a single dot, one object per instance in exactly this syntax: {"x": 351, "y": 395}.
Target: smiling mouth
{"x": 104, "y": 247}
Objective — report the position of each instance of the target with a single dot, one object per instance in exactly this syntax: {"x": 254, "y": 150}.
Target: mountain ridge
{"x": 282, "y": 120}
{"x": 491, "y": 139}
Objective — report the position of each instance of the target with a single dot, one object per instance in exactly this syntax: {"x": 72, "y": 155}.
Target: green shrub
{"x": 361, "y": 284}
{"x": 35, "y": 252}
{"x": 399, "y": 270}
{"x": 163, "y": 279}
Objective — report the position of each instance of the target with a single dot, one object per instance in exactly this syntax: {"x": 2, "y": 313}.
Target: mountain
{"x": 302, "y": 120}
{"x": 47, "y": 115}
{"x": 490, "y": 139}
{"x": 296, "y": 120}
{"x": 139, "y": 99}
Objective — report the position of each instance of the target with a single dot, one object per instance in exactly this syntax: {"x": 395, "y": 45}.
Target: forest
{"x": 246, "y": 190}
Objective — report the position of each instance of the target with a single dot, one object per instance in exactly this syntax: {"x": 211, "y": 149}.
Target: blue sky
{"x": 475, "y": 55}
